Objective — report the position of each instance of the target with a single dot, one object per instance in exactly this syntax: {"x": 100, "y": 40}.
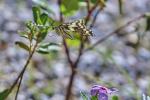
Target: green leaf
{"x": 84, "y": 96}
{"x": 42, "y": 50}
{"x": 115, "y": 98}
{"x": 43, "y": 33}
{"x": 22, "y": 45}
{"x": 53, "y": 23}
{"x": 44, "y": 18}
{"x": 36, "y": 15}
{"x": 46, "y": 45}
{"x": 68, "y": 7}
{"x": 46, "y": 48}
{"x": 23, "y": 34}
{"x": 147, "y": 23}
{"x": 30, "y": 25}
{"x": 94, "y": 98}
{"x": 93, "y": 1}
{"x": 73, "y": 42}
{"x": 51, "y": 20}
{"x": 32, "y": 29}
{"x": 4, "y": 94}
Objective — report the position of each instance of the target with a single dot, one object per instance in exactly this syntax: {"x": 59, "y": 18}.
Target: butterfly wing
{"x": 76, "y": 26}
{"x": 61, "y": 30}
{"x": 79, "y": 26}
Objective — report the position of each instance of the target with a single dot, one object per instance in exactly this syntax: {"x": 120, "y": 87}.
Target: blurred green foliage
{"x": 115, "y": 98}
{"x": 68, "y": 7}
{"x": 84, "y": 96}
{"x": 4, "y": 94}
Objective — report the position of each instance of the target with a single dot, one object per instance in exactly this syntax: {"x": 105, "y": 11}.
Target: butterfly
{"x": 75, "y": 26}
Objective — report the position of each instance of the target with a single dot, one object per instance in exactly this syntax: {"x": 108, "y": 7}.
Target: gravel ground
{"x": 119, "y": 65}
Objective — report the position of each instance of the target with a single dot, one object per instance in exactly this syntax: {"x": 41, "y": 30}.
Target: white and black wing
{"x": 76, "y": 26}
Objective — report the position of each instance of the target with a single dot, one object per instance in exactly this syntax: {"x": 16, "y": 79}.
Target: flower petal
{"x": 98, "y": 89}
{"x": 102, "y": 96}
{"x": 103, "y": 90}
{"x": 94, "y": 91}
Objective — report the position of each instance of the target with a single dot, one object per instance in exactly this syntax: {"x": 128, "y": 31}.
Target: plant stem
{"x": 69, "y": 88}
{"x": 67, "y": 53}
{"x": 20, "y": 76}
{"x": 90, "y": 12}
{"x": 80, "y": 51}
{"x": 73, "y": 71}
{"x": 18, "y": 87}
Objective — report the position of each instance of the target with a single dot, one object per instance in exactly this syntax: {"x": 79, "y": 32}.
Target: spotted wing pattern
{"x": 76, "y": 26}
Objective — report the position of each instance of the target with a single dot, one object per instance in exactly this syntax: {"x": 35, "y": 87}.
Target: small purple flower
{"x": 102, "y": 92}
{"x": 102, "y": 96}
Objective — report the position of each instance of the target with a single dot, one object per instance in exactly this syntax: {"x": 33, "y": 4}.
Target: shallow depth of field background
{"x": 120, "y": 61}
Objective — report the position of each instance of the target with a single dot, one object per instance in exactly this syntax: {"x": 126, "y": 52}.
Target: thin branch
{"x": 115, "y": 31}
{"x": 67, "y": 53}
{"x": 22, "y": 72}
{"x": 69, "y": 87}
{"x": 73, "y": 72}
{"x": 73, "y": 67}
{"x": 91, "y": 11}
{"x": 16, "y": 96}
{"x": 80, "y": 51}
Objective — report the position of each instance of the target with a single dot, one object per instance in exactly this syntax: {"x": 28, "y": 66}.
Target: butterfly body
{"x": 76, "y": 26}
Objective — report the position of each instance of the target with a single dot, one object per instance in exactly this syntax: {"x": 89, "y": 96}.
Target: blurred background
{"x": 122, "y": 61}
